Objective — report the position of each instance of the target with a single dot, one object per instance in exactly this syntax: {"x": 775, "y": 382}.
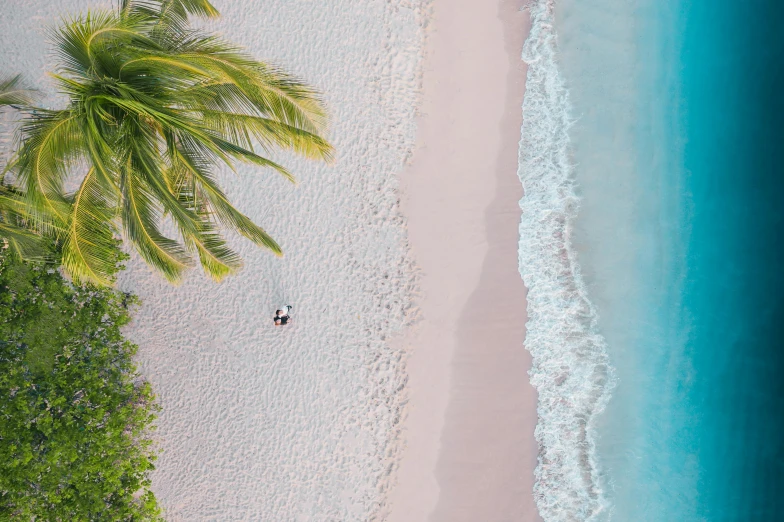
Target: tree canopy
{"x": 154, "y": 106}
{"x": 75, "y": 415}
{"x": 18, "y": 236}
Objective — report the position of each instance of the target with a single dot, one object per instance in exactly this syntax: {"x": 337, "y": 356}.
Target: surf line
{"x": 571, "y": 370}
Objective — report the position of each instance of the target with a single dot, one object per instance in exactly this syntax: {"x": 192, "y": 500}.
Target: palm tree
{"x": 154, "y": 107}
{"x": 16, "y": 235}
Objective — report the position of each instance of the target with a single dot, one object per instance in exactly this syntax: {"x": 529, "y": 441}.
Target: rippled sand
{"x": 300, "y": 422}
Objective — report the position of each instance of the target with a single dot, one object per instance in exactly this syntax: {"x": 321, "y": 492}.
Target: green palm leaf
{"x": 19, "y": 234}
{"x": 218, "y": 203}
{"x": 215, "y": 256}
{"x": 53, "y": 142}
{"x": 89, "y": 245}
{"x": 21, "y": 241}
{"x": 154, "y": 106}
{"x": 269, "y": 133}
{"x": 141, "y": 215}
{"x": 13, "y": 93}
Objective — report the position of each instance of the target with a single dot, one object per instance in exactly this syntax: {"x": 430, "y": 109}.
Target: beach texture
{"x": 400, "y": 390}
{"x": 299, "y": 423}
{"x": 470, "y": 449}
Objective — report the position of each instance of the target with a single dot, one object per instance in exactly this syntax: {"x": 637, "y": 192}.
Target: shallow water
{"x": 676, "y": 126}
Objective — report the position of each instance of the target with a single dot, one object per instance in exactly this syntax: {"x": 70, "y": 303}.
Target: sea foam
{"x": 571, "y": 370}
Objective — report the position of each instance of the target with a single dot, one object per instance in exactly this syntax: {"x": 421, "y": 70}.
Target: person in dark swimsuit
{"x": 282, "y": 316}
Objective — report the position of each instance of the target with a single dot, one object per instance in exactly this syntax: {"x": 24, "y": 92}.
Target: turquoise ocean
{"x": 651, "y": 241}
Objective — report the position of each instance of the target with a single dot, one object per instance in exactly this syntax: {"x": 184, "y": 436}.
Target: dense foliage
{"x": 18, "y": 236}
{"x": 74, "y": 414}
{"x": 154, "y": 106}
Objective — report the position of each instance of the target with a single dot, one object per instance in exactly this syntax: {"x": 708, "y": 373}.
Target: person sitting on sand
{"x": 282, "y": 316}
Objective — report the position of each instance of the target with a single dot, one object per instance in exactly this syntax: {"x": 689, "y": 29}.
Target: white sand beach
{"x": 400, "y": 390}
{"x": 470, "y": 450}
{"x": 298, "y": 423}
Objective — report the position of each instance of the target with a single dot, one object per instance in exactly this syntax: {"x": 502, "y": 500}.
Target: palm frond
{"x": 215, "y": 256}
{"x": 179, "y": 10}
{"x": 87, "y": 45}
{"x": 217, "y": 259}
{"x": 270, "y": 133}
{"x": 170, "y": 17}
{"x": 88, "y": 249}
{"x": 154, "y": 106}
{"x": 19, "y": 234}
{"x": 12, "y": 92}
{"x": 268, "y": 90}
{"x": 218, "y": 202}
{"x": 52, "y": 142}
{"x": 20, "y": 241}
{"x": 14, "y": 207}
{"x": 141, "y": 215}
{"x": 163, "y": 9}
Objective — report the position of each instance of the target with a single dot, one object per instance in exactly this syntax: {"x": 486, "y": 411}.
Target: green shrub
{"x": 75, "y": 416}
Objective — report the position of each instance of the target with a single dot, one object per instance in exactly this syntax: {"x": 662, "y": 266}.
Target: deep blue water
{"x": 732, "y": 309}
{"x": 678, "y": 150}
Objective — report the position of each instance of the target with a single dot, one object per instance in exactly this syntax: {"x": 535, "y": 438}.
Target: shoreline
{"x": 470, "y": 449}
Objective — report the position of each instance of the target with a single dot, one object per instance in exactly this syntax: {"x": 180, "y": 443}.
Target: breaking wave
{"x": 571, "y": 370}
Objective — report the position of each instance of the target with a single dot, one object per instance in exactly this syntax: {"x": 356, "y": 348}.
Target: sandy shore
{"x": 295, "y": 424}
{"x": 470, "y": 451}
{"x": 303, "y": 424}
